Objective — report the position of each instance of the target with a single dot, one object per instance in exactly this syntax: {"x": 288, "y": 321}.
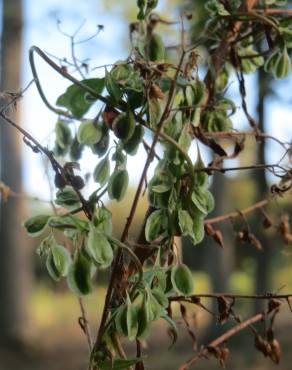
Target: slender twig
{"x": 265, "y": 296}
{"x": 223, "y": 338}
{"x": 235, "y": 214}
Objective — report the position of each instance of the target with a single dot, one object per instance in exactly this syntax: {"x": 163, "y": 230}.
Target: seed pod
{"x": 102, "y": 171}
{"x": 76, "y": 150}
{"x": 60, "y": 182}
{"x": 143, "y": 319}
{"x": 124, "y": 126}
{"x": 79, "y": 276}
{"x": 77, "y": 182}
{"x": 282, "y": 66}
{"x": 182, "y": 280}
{"x": 154, "y": 307}
{"x": 156, "y": 48}
{"x": 61, "y": 259}
{"x": 121, "y": 321}
{"x": 132, "y": 319}
{"x": 102, "y": 146}
{"x": 118, "y": 184}
{"x": 63, "y": 134}
{"x": 271, "y": 62}
{"x": 131, "y": 145}
{"x": 51, "y": 267}
{"x": 199, "y": 90}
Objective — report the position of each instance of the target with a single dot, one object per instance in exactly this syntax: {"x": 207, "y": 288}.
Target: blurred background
{"x": 39, "y": 319}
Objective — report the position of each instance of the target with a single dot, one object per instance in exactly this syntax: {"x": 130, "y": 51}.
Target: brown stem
{"x": 222, "y": 338}
{"x": 194, "y": 297}
{"x": 85, "y": 324}
{"x": 116, "y": 266}
{"x": 235, "y": 214}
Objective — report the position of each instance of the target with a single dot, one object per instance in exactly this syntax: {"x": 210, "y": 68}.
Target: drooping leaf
{"x": 185, "y": 222}
{"x": 79, "y": 275}
{"x": 61, "y": 259}
{"x": 155, "y": 225}
{"x": 118, "y": 184}
{"x": 182, "y": 279}
{"x": 63, "y": 134}
{"x": 102, "y": 171}
{"x": 76, "y": 98}
{"x": 132, "y": 319}
{"x": 99, "y": 248}
{"x": 68, "y": 198}
{"x": 36, "y": 225}
{"x": 102, "y": 220}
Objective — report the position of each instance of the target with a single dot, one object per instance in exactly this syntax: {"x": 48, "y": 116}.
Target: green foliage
{"x": 148, "y": 96}
{"x": 76, "y": 100}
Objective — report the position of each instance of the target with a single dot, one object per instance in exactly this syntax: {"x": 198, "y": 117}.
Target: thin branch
{"x": 223, "y": 338}
{"x": 235, "y": 214}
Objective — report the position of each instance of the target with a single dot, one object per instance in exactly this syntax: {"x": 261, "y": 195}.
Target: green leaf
{"x": 203, "y": 200}
{"x": 113, "y": 87}
{"x": 62, "y": 259}
{"x": 154, "y": 307}
{"x": 52, "y": 270}
{"x": 45, "y": 246}
{"x": 99, "y": 248}
{"x": 121, "y": 321}
{"x": 131, "y": 146}
{"x": 36, "y": 225}
{"x": 75, "y": 98}
{"x": 132, "y": 319}
{"x": 63, "y": 134}
{"x": 185, "y": 222}
{"x": 102, "y": 146}
{"x": 89, "y": 133}
{"x": 75, "y": 150}
{"x": 102, "y": 220}
{"x": 185, "y": 138}
{"x": 156, "y": 48}
{"x": 124, "y": 126}
{"x": 79, "y": 275}
{"x": 198, "y": 230}
{"x": 182, "y": 279}
{"x": 283, "y": 65}
{"x": 68, "y": 198}
{"x": 161, "y": 298}
{"x": 102, "y": 171}
{"x": 155, "y": 225}
{"x": 143, "y": 319}
{"x": 118, "y": 184}
{"x": 201, "y": 177}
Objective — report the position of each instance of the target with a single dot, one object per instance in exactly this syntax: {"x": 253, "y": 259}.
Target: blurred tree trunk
{"x": 14, "y": 254}
{"x": 218, "y": 262}
{"x": 263, "y": 259}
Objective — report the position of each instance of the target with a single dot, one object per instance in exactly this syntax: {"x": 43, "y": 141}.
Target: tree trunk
{"x": 14, "y": 254}
{"x": 263, "y": 259}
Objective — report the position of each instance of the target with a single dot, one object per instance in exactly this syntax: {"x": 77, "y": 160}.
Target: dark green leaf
{"x": 75, "y": 98}
{"x": 118, "y": 184}
{"x": 36, "y": 225}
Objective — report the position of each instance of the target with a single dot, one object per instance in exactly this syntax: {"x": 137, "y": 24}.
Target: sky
{"x": 41, "y": 29}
